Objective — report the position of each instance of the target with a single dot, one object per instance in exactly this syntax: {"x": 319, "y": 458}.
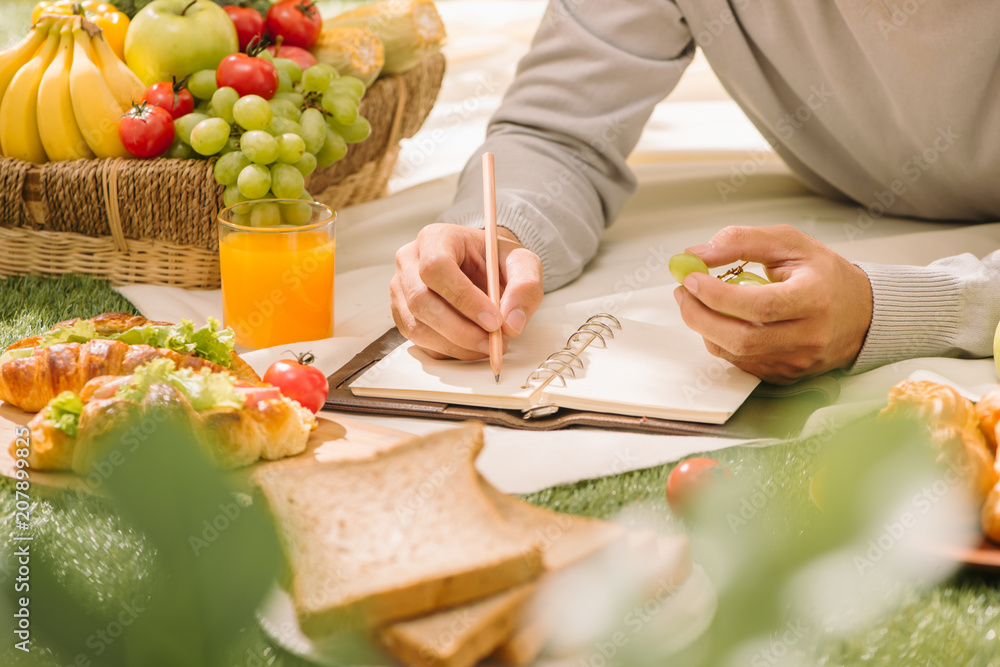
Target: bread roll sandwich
{"x": 235, "y": 422}
{"x": 35, "y": 370}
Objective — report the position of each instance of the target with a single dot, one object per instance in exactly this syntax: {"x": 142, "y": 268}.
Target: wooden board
{"x": 335, "y": 438}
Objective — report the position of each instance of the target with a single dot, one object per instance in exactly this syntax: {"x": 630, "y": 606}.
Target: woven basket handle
{"x": 109, "y": 187}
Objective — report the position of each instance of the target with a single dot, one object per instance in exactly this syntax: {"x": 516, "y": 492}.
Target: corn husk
{"x": 411, "y": 30}
{"x": 354, "y": 51}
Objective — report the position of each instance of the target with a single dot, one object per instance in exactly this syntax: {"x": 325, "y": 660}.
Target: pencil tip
{"x": 497, "y": 378}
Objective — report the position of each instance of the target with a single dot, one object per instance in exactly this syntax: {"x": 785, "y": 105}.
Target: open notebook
{"x": 643, "y": 370}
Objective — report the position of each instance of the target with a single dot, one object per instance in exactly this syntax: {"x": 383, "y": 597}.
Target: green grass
{"x": 105, "y": 561}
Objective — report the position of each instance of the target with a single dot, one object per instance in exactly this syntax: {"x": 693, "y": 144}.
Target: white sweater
{"x": 892, "y": 104}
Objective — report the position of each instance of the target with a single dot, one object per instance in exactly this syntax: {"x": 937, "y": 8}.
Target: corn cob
{"x": 353, "y": 51}
{"x": 411, "y": 30}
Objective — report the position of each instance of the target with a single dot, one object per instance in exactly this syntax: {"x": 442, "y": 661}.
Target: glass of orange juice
{"x": 277, "y": 262}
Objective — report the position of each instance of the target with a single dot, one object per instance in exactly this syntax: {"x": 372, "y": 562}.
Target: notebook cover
{"x": 770, "y": 412}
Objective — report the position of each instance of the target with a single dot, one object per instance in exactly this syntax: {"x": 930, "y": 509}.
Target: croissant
{"x": 954, "y": 427}
{"x": 31, "y": 382}
{"x": 269, "y": 428}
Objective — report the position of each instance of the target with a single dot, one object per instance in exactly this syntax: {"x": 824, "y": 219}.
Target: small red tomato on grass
{"x": 172, "y": 96}
{"x": 249, "y": 24}
{"x": 146, "y": 131}
{"x": 690, "y": 478}
{"x": 297, "y": 21}
{"x": 299, "y": 381}
{"x": 303, "y": 58}
{"x": 248, "y": 75}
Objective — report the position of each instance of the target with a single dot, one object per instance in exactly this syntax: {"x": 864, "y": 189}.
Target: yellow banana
{"x": 19, "y": 109}
{"x": 124, "y": 84}
{"x": 57, "y": 127}
{"x": 14, "y": 58}
{"x": 94, "y": 105}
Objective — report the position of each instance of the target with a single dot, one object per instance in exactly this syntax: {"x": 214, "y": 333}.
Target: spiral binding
{"x": 590, "y": 332}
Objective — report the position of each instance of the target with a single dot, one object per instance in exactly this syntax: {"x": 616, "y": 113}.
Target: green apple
{"x": 169, "y": 38}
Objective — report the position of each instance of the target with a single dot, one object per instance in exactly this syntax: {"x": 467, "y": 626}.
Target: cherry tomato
{"x": 302, "y": 58}
{"x": 298, "y": 22}
{"x": 174, "y": 97}
{"x": 689, "y": 478}
{"x": 146, "y": 131}
{"x": 248, "y": 75}
{"x": 299, "y": 381}
{"x": 249, "y": 24}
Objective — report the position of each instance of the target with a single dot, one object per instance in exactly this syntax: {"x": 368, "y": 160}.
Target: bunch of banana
{"x": 62, "y": 93}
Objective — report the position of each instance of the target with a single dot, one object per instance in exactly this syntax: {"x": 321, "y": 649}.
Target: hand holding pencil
{"x": 439, "y": 293}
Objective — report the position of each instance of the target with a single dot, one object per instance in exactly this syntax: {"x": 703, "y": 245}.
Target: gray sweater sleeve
{"x": 949, "y": 308}
{"x": 575, "y": 111}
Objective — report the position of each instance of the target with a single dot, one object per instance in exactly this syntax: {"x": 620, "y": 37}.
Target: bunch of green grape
{"x": 267, "y": 148}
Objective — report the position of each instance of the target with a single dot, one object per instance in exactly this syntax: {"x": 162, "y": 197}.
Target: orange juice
{"x": 277, "y": 284}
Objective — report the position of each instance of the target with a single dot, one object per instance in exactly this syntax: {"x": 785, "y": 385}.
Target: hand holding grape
{"x": 813, "y": 317}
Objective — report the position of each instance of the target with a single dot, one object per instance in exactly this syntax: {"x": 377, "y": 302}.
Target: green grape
{"x": 232, "y": 146}
{"x": 266, "y": 55}
{"x": 306, "y": 165}
{"x": 305, "y": 196}
{"x": 318, "y": 78}
{"x": 747, "y": 278}
{"x": 284, "y": 82}
{"x": 289, "y": 67}
{"x": 333, "y": 149}
{"x": 210, "y": 136}
{"x": 229, "y": 166}
{"x": 223, "y": 102}
{"x": 291, "y": 148}
{"x": 254, "y": 181}
{"x": 265, "y": 214}
{"x": 280, "y": 126}
{"x": 286, "y": 181}
{"x": 295, "y": 98}
{"x": 285, "y": 109}
{"x": 253, "y": 112}
{"x": 350, "y": 85}
{"x": 313, "y": 129}
{"x": 296, "y": 214}
{"x": 184, "y": 125}
{"x": 353, "y": 133}
{"x": 343, "y": 107}
{"x": 260, "y": 147}
{"x": 232, "y": 196}
{"x": 683, "y": 264}
{"x": 202, "y": 84}
{"x": 181, "y": 151}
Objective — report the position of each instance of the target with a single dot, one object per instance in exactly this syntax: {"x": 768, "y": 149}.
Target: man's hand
{"x": 813, "y": 317}
{"x": 439, "y": 296}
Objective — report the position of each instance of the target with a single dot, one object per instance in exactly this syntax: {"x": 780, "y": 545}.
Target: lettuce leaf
{"x": 210, "y": 342}
{"x": 63, "y": 412}
{"x": 78, "y": 332}
{"x": 203, "y": 389}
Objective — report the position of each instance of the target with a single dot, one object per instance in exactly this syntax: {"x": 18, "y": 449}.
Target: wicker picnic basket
{"x": 154, "y": 221}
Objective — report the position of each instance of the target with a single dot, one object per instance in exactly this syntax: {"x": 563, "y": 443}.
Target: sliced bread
{"x": 403, "y": 533}
{"x": 459, "y": 637}
{"x": 462, "y": 636}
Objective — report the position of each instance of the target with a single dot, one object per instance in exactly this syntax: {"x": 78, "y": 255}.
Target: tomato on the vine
{"x": 297, "y": 21}
{"x": 249, "y": 24}
{"x": 248, "y": 75}
{"x": 146, "y": 131}
{"x": 174, "y": 97}
{"x": 299, "y": 381}
{"x": 689, "y": 479}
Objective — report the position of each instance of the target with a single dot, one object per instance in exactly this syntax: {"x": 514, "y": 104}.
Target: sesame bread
{"x": 403, "y": 533}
